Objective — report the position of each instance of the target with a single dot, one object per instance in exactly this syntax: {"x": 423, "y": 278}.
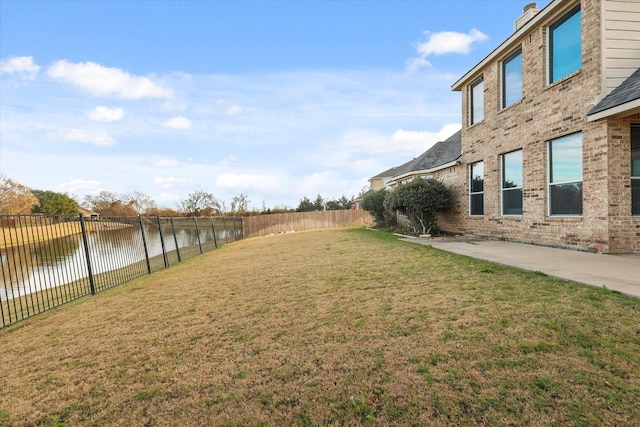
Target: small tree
{"x": 340, "y": 204}
{"x": 419, "y": 199}
{"x": 52, "y": 203}
{"x": 305, "y": 205}
{"x": 318, "y": 204}
{"x": 373, "y": 202}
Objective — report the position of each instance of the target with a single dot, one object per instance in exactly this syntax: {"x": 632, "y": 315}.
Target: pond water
{"x": 35, "y": 267}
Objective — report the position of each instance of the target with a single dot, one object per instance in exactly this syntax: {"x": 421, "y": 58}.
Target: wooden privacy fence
{"x": 263, "y": 225}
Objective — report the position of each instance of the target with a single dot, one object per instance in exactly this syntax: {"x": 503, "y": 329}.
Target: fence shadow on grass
{"x": 48, "y": 261}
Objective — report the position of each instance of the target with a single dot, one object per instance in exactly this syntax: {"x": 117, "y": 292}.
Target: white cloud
{"x": 173, "y": 105}
{"x": 422, "y": 140}
{"x": 262, "y": 182}
{"x": 164, "y": 198}
{"x": 170, "y": 182}
{"x": 79, "y": 186}
{"x": 163, "y": 163}
{"x": 230, "y": 109}
{"x": 21, "y": 65}
{"x": 99, "y": 138}
{"x": 444, "y": 42}
{"x": 105, "y": 114}
{"x": 178, "y": 122}
{"x": 233, "y": 110}
{"x": 107, "y": 81}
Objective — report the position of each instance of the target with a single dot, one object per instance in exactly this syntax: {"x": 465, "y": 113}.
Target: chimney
{"x": 528, "y": 12}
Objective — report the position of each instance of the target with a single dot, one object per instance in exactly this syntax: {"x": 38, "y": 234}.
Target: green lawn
{"x": 328, "y": 328}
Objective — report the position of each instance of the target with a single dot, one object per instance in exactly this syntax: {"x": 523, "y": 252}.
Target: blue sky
{"x": 276, "y": 100}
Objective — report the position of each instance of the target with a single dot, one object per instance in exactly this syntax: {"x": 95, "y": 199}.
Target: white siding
{"x": 621, "y": 41}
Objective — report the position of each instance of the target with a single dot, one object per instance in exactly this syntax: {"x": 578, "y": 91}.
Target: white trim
{"x": 556, "y": 6}
{"x": 399, "y": 178}
{"x": 627, "y": 107}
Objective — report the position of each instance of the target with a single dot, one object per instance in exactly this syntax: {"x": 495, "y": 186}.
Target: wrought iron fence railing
{"x": 47, "y": 261}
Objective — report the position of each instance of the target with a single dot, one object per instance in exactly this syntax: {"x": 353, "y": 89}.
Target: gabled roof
{"x": 388, "y": 173}
{"x": 442, "y": 154}
{"x": 623, "y": 99}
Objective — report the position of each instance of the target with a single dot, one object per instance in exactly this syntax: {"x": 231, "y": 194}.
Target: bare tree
{"x": 139, "y": 201}
{"x": 108, "y": 203}
{"x": 240, "y": 204}
{"x": 201, "y": 203}
{"x": 15, "y": 198}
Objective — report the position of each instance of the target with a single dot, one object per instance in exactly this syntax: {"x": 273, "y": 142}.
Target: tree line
{"x": 18, "y": 199}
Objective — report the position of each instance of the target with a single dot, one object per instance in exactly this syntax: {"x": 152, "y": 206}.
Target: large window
{"x": 635, "y": 169}
{"x": 476, "y": 188}
{"x": 512, "y": 79}
{"x": 512, "y": 183}
{"x": 476, "y": 100}
{"x": 565, "y": 46}
{"x": 565, "y": 175}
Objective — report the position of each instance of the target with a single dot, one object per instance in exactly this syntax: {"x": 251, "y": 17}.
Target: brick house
{"x": 550, "y": 147}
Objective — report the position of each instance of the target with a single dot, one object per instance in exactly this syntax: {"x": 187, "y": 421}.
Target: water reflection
{"x": 39, "y": 266}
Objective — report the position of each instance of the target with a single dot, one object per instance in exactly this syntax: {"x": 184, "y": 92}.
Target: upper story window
{"x": 512, "y": 183}
{"x": 565, "y": 175}
{"x": 476, "y": 188}
{"x": 512, "y": 79}
{"x": 476, "y": 101}
{"x": 635, "y": 170}
{"x": 565, "y": 46}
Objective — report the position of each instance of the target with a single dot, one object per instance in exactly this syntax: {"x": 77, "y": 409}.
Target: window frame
{"x": 550, "y": 44}
{"x": 551, "y": 184}
{"x": 503, "y": 76}
{"x": 472, "y": 101}
{"x": 504, "y": 189}
{"x": 475, "y": 193}
{"x": 635, "y": 173}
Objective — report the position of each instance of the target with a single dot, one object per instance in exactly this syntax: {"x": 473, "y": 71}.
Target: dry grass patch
{"x": 329, "y": 328}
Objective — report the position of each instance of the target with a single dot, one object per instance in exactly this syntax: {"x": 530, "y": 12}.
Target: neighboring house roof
{"x": 443, "y": 154}
{"x": 388, "y": 173}
{"x": 623, "y": 99}
{"x": 87, "y": 212}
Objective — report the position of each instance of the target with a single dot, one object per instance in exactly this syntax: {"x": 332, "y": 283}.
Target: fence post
{"x": 164, "y": 250}
{"x": 86, "y": 252}
{"x": 175, "y": 239}
{"x": 195, "y": 220}
{"x": 215, "y": 241}
{"x": 144, "y": 243}
{"x": 226, "y": 234}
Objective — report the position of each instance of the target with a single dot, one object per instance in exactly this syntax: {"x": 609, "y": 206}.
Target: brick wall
{"x": 547, "y": 112}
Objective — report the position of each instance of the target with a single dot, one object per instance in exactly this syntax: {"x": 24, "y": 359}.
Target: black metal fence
{"x": 47, "y": 261}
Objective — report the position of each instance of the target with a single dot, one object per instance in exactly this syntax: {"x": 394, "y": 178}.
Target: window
{"x": 476, "y": 113}
{"x": 476, "y": 188}
{"x": 512, "y": 183}
{"x": 512, "y": 79}
{"x": 565, "y": 175}
{"x": 635, "y": 170}
{"x": 565, "y": 46}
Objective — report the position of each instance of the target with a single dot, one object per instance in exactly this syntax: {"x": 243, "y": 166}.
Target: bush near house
{"x": 418, "y": 200}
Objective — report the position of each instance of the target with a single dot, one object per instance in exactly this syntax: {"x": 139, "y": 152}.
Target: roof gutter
{"x": 425, "y": 171}
{"x": 628, "y": 108}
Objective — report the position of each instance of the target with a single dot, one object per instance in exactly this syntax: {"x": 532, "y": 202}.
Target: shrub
{"x": 419, "y": 199}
